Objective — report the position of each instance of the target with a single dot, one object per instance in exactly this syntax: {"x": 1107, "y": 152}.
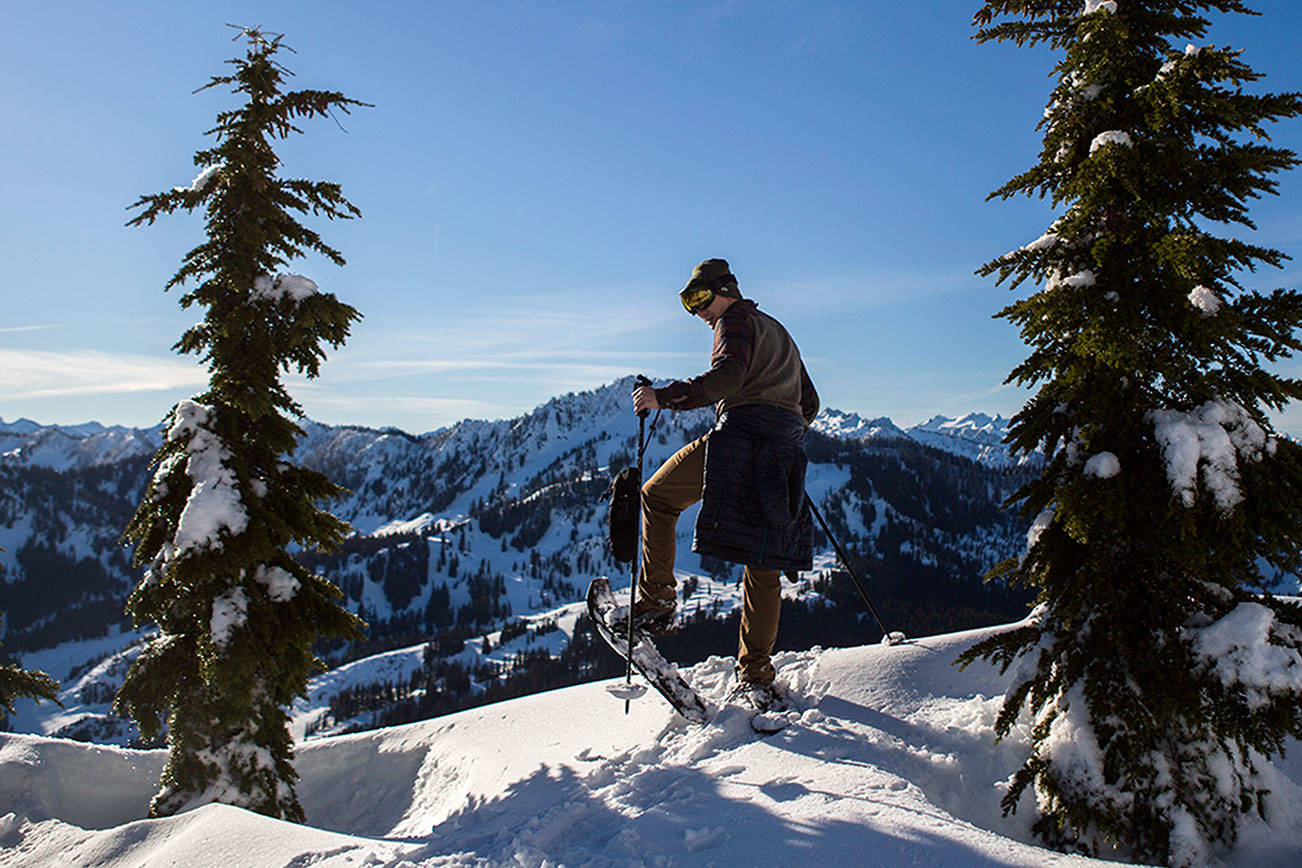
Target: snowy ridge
{"x": 65, "y": 447}
{"x": 976, "y": 435}
{"x": 852, "y": 426}
{"x": 891, "y": 760}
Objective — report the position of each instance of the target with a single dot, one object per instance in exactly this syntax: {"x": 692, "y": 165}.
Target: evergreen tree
{"x": 238, "y": 616}
{"x": 1158, "y": 679}
{"x": 17, "y": 683}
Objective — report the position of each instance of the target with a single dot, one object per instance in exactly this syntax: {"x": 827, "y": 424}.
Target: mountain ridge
{"x": 63, "y": 447}
{"x": 473, "y": 540}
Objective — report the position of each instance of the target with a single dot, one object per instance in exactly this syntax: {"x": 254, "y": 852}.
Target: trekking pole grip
{"x": 640, "y": 382}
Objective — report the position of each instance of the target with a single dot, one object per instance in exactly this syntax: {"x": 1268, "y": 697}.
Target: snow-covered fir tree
{"x": 237, "y": 614}
{"x": 1158, "y": 679}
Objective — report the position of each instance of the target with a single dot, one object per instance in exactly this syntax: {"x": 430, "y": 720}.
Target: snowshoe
{"x": 610, "y": 620}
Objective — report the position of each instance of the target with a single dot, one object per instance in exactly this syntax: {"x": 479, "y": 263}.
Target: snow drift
{"x": 890, "y": 763}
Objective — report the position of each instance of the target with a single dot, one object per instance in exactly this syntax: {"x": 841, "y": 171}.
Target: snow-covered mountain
{"x": 472, "y": 544}
{"x": 975, "y": 436}
{"x": 852, "y": 426}
{"x": 68, "y": 447}
{"x": 891, "y": 762}
{"x": 64, "y": 447}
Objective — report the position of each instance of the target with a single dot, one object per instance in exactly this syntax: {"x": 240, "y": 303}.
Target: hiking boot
{"x": 758, "y": 697}
{"x": 652, "y": 618}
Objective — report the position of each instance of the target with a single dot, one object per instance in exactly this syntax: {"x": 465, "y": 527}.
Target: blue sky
{"x": 537, "y": 180}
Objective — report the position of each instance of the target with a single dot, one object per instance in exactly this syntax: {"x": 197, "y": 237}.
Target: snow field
{"x": 890, "y": 762}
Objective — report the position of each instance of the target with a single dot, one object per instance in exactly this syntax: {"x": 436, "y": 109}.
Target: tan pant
{"x": 672, "y": 489}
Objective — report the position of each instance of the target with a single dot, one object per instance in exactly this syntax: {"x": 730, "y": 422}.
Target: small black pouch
{"x": 625, "y": 495}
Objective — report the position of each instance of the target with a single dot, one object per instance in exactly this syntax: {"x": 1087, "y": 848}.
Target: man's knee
{"x": 653, "y": 500}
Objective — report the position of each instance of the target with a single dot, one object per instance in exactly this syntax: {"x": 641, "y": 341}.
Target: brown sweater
{"x": 754, "y": 361}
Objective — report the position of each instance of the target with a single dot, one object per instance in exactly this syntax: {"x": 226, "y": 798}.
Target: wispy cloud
{"x": 1004, "y": 395}
{"x": 44, "y": 374}
{"x": 563, "y": 340}
{"x": 511, "y": 363}
{"x": 30, "y": 328}
{"x": 324, "y": 403}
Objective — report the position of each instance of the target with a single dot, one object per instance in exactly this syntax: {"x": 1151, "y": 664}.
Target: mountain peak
{"x": 851, "y": 426}
{"x": 19, "y": 426}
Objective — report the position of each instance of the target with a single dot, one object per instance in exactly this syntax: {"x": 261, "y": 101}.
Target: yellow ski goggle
{"x": 696, "y": 299}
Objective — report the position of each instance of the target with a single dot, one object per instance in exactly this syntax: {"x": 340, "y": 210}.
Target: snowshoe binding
{"x": 652, "y": 620}
{"x": 772, "y": 706}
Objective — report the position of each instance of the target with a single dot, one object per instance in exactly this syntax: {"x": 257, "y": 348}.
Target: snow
{"x": 1079, "y": 280}
{"x": 420, "y": 524}
{"x": 1038, "y": 527}
{"x": 851, "y": 426}
{"x": 1092, "y": 6}
{"x": 892, "y": 760}
{"x": 1104, "y": 465}
{"x": 1072, "y": 747}
{"x": 294, "y": 287}
{"x": 975, "y": 436}
{"x": 214, "y": 503}
{"x": 1212, "y": 437}
{"x": 1110, "y": 137}
{"x": 1205, "y": 300}
{"x": 1238, "y": 650}
{"x": 281, "y": 586}
{"x": 229, "y": 613}
{"x": 892, "y": 756}
{"x": 1044, "y": 242}
{"x": 66, "y": 447}
{"x": 205, "y": 177}
{"x": 19, "y": 426}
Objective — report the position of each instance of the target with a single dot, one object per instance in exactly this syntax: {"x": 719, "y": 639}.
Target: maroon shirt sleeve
{"x": 734, "y": 341}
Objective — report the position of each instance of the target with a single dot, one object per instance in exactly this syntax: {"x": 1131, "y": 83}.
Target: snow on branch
{"x": 1111, "y": 137}
{"x": 1237, "y": 648}
{"x": 230, "y": 611}
{"x": 202, "y": 180}
{"x": 1079, "y": 280}
{"x": 281, "y": 586}
{"x": 1073, "y": 749}
{"x": 294, "y": 287}
{"x": 1213, "y": 436}
{"x": 214, "y": 503}
{"x": 1104, "y": 465}
{"x": 1205, "y": 300}
{"x": 1092, "y": 6}
{"x": 1037, "y": 529}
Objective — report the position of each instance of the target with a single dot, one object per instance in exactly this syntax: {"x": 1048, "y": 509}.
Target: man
{"x": 749, "y": 468}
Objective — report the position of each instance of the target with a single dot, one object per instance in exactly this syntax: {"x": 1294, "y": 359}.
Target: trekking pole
{"x": 888, "y": 637}
{"x": 637, "y": 551}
